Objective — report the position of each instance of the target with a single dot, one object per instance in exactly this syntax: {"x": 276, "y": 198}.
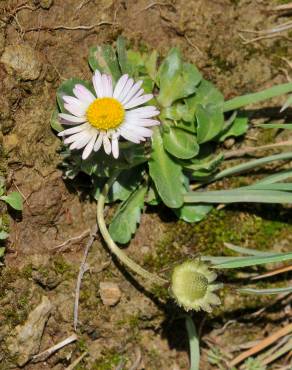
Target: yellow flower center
{"x": 105, "y": 113}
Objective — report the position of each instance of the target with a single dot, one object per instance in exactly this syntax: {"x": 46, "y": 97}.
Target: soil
{"x": 38, "y": 53}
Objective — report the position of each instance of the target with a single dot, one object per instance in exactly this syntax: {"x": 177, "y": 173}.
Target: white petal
{"x": 74, "y": 101}
{"x": 97, "y": 84}
{"x": 76, "y": 137}
{"x": 129, "y": 135}
{"x": 143, "y": 112}
{"x": 80, "y": 143}
{"x": 74, "y": 130}
{"x": 141, "y": 131}
{"x": 89, "y": 147}
{"x": 128, "y": 86}
{"x": 98, "y": 142}
{"x": 120, "y": 85}
{"x": 70, "y": 118}
{"x": 83, "y": 94}
{"x": 115, "y": 147}
{"x": 132, "y": 92}
{"x": 107, "y": 144}
{"x": 138, "y": 101}
{"x": 145, "y": 122}
{"x": 107, "y": 85}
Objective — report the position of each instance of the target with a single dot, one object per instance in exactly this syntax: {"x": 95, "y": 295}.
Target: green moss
{"x": 61, "y": 266}
{"x": 108, "y": 362}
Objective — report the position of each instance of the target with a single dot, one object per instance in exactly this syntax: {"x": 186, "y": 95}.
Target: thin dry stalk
{"x": 262, "y": 345}
{"x": 274, "y": 272}
{"x": 47, "y": 353}
{"x": 76, "y": 362}
{"x": 72, "y": 240}
{"x": 70, "y": 28}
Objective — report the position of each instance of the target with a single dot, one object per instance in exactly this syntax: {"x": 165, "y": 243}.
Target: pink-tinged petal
{"x": 74, "y": 101}
{"x": 75, "y": 109}
{"x": 83, "y": 94}
{"x": 138, "y": 101}
{"x": 74, "y": 130}
{"x": 89, "y": 147}
{"x": 115, "y": 147}
{"x": 107, "y": 84}
{"x": 120, "y": 86}
{"x": 126, "y": 89}
{"x": 97, "y": 84}
{"x": 71, "y": 119}
{"x": 98, "y": 142}
{"x": 132, "y": 92}
{"x": 107, "y": 145}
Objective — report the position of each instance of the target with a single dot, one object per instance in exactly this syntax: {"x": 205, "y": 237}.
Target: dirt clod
{"x": 22, "y": 60}
{"x": 25, "y": 340}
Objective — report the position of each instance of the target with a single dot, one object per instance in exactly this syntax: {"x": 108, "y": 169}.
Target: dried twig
{"x": 193, "y": 45}
{"x": 245, "y": 41}
{"x": 156, "y": 3}
{"x": 47, "y": 353}
{"x": 137, "y": 360}
{"x": 247, "y": 150}
{"x": 83, "y": 268}
{"x": 70, "y": 28}
{"x": 274, "y": 272}
{"x": 283, "y": 7}
{"x": 77, "y": 361}
{"x": 262, "y": 344}
{"x": 72, "y": 240}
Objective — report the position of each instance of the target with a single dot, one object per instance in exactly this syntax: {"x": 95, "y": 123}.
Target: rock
{"x": 46, "y": 279}
{"x": 23, "y": 60}
{"x": 46, "y": 4}
{"x": 25, "y": 339}
{"x": 110, "y": 293}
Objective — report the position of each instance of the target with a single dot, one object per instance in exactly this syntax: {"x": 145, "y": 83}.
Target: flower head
{"x": 190, "y": 285}
{"x": 100, "y": 119}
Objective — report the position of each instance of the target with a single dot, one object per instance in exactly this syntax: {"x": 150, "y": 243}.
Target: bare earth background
{"x": 44, "y": 42}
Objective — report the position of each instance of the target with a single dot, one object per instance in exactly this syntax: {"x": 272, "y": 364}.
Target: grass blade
{"x": 252, "y": 164}
{"x": 266, "y": 291}
{"x": 239, "y": 195}
{"x": 254, "y": 260}
{"x": 248, "y": 251}
{"x": 280, "y": 176}
{"x": 244, "y": 100}
{"x": 278, "y": 186}
{"x": 283, "y": 126}
{"x": 194, "y": 343}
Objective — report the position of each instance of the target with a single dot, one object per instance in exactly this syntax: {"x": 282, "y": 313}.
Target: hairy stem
{"x": 112, "y": 245}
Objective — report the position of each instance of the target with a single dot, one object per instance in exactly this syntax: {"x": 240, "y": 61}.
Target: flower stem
{"x": 112, "y": 245}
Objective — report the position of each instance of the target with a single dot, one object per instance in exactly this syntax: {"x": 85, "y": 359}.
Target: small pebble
{"x": 110, "y": 293}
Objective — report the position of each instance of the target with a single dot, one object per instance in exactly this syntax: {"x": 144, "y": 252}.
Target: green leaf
{"x": 193, "y": 212}
{"x": 151, "y": 65}
{"x": 180, "y": 143}
{"x": 152, "y": 197}
{"x": 240, "y": 195}
{"x": 287, "y": 289}
{"x": 244, "y": 100}
{"x": 122, "y": 56}
{"x": 238, "y": 128}
{"x": 252, "y": 164}
{"x": 206, "y": 94}
{"x": 283, "y": 175}
{"x": 55, "y": 123}
{"x": 137, "y": 63}
{"x": 205, "y": 162}
{"x": 105, "y": 60}
{"x": 176, "y": 79}
{"x": 166, "y": 174}
{"x": 14, "y": 199}
{"x": 125, "y": 184}
{"x": 125, "y": 220}
{"x": 210, "y": 122}
{"x": 66, "y": 88}
{"x": 194, "y": 343}
{"x": 3, "y": 235}
{"x": 2, "y": 250}
{"x": 254, "y": 260}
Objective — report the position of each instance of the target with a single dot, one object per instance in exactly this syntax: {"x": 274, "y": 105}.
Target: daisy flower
{"x": 100, "y": 119}
{"x": 192, "y": 286}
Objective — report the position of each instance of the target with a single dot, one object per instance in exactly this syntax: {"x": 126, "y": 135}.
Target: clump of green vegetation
{"x": 208, "y": 237}
{"x": 108, "y": 361}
